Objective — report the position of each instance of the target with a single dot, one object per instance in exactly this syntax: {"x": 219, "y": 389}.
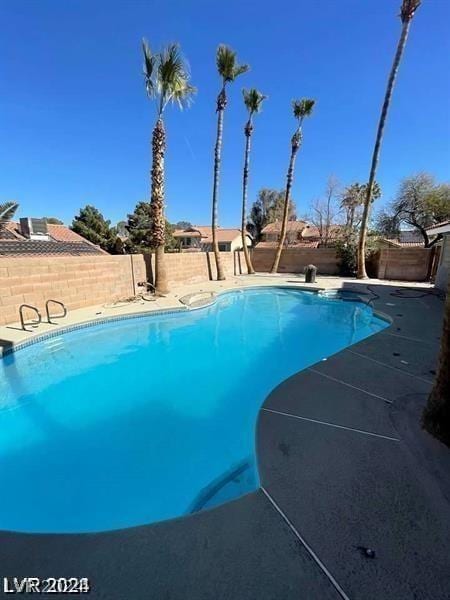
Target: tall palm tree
{"x": 7, "y": 210}
{"x": 228, "y": 69}
{"x": 436, "y": 416}
{"x": 167, "y": 81}
{"x": 408, "y": 8}
{"x": 253, "y": 100}
{"x": 301, "y": 108}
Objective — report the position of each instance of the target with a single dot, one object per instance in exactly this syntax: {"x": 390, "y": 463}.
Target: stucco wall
{"x": 76, "y": 281}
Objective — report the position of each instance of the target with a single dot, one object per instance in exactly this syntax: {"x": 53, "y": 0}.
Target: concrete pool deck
{"x": 344, "y": 466}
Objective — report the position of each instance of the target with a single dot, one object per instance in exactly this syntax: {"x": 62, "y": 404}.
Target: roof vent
{"x": 34, "y": 229}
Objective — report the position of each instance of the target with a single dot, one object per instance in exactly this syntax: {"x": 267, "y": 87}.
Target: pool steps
{"x": 198, "y": 299}
{"x": 186, "y": 304}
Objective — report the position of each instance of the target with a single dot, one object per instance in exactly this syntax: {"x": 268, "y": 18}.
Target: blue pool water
{"x": 145, "y": 419}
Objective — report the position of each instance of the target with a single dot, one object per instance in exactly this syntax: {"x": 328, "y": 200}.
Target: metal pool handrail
{"x": 47, "y": 310}
{"x": 22, "y": 322}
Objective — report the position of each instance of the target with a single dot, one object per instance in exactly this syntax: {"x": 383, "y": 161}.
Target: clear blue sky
{"x": 75, "y": 123}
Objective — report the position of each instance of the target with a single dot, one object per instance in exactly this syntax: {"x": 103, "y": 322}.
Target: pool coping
{"x": 349, "y": 577}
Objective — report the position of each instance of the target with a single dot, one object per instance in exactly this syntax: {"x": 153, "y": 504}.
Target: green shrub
{"x": 347, "y": 252}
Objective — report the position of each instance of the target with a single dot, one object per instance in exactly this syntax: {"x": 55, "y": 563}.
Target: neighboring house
{"x": 303, "y": 244}
{"x": 36, "y": 237}
{"x": 334, "y": 234}
{"x": 299, "y": 234}
{"x": 294, "y": 230}
{"x": 443, "y": 269}
{"x": 405, "y": 239}
{"x": 198, "y": 238}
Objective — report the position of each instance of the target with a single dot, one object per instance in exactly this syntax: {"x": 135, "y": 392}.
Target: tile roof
{"x": 205, "y": 233}
{"x": 63, "y": 241}
{"x": 397, "y": 244}
{"x": 186, "y": 233}
{"x": 7, "y": 234}
{"x": 10, "y": 230}
{"x": 61, "y": 233}
{"x": 405, "y": 239}
{"x": 46, "y": 248}
{"x": 336, "y": 231}
{"x": 291, "y": 226}
{"x": 268, "y": 245}
{"x": 409, "y": 235}
{"x": 224, "y": 235}
{"x": 310, "y": 231}
{"x": 307, "y": 230}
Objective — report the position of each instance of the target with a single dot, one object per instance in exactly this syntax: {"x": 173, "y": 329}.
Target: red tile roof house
{"x": 198, "y": 238}
{"x": 36, "y": 237}
{"x": 299, "y": 234}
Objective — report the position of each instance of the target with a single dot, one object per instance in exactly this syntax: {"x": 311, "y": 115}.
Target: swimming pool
{"x": 144, "y": 419}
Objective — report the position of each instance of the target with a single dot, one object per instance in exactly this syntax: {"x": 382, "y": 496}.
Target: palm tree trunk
{"x": 248, "y": 134}
{"x": 352, "y": 218}
{"x": 376, "y": 151}
{"x": 328, "y": 218}
{"x": 289, "y": 181}
{"x": 436, "y": 416}
{"x": 221, "y": 103}
{"x": 158, "y": 224}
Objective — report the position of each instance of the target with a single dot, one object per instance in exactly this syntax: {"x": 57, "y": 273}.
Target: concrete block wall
{"x": 407, "y": 264}
{"x": 195, "y": 267}
{"x": 294, "y": 260}
{"x": 75, "y": 281}
{"x": 89, "y": 280}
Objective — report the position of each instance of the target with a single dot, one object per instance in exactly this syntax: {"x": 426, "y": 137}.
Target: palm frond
{"x": 173, "y": 77}
{"x": 408, "y": 8}
{"x": 225, "y": 61}
{"x": 303, "y": 108}
{"x": 167, "y": 76}
{"x": 183, "y": 95}
{"x": 227, "y": 64}
{"x": 253, "y": 100}
{"x": 7, "y": 210}
{"x": 149, "y": 69}
{"x": 240, "y": 70}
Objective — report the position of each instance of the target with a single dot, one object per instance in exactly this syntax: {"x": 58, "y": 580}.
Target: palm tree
{"x": 353, "y": 198}
{"x": 167, "y": 81}
{"x": 407, "y": 11}
{"x": 302, "y": 108}
{"x": 7, "y": 210}
{"x": 253, "y": 100}
{"x": 436, "y": 416}
{"x": 228, "y": 69}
